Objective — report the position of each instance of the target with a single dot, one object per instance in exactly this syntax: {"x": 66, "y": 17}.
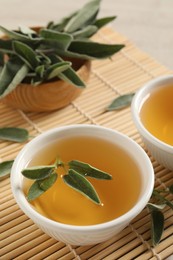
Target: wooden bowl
{"x": 48, "y": 96}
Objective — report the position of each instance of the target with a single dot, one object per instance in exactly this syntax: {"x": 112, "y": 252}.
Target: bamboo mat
{"x": 125, "y": 72}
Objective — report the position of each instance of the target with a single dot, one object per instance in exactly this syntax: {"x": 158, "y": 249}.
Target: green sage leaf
{"x": 26, "y": 54}
{"x": 103, "y": 21}
{"x": 55, "y": 69}
{"x": 56, "y": 39}
{"x": 34, "y": 191}
{"x": 61, "y": 24}
{"x": 48, "y": 182}
{"x": 82, "y": 16}
{"x": 69, "y": 75}
{"x": 38, "y": 172}
{"x": 82, "y": 185}
{"x": 5, "y": 168}
{"x": 95, "y": 50}
{"x": 14, "y": 134}
{"x": 121, "y": 102}
{"x": 88, "y": 171}
{"x": 13, "y": 72}
{"x": 85, "y": 32}
{"x": 157, "y": 226}
{"x": 14, "y": 35}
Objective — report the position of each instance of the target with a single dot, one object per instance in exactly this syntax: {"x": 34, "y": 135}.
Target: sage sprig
{"x": 75, "y": 176}
{"x": 25, "y": 55}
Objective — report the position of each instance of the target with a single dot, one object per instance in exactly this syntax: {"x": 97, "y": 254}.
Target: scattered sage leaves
{"x": 121, "y": 102}
{"x": 5, "y": 168}
{"x": 14, "y": 134}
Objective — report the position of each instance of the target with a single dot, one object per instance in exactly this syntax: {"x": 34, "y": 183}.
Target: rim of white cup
{"x": 137, "y": 102}
{"x": 29, "y": 210}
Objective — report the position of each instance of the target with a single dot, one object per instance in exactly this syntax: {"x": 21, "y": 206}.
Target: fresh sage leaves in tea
{"x": 75, "y": 176}
{"x": 14, "y": 134}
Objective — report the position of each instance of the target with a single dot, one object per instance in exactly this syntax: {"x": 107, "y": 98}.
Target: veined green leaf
{"x": 13, "y": 72}
{"x": 103, "y": 21}
{"x": 82, "y": 185}
{"x": 48, "y": 182}
{"x": 121, "y": 102}
{"x": 56, "y": 39}
{"x": 38, "y": 172}
{"x": 85, "y": 32}
{"x": 157, "y": 226}
{"x": 34, "y": 191}
{"x": 69, "y": 75}
{"x": 55, "y": 69}
{"x": 6, "y": 46}
{"x": 88, "y": 171}
{"x": 61, "y": 24}
{"x": 82, "y": 16}
{"x": 26, "y": 54}
{"x": 5, "y": 168}
{"x": 93, "y": 49}
{"x": 14, "y": 35}
{"x": 14, "y": 134}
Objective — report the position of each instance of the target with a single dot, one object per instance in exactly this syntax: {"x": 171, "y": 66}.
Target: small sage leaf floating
{"x": 82, "y": 185}
{"x": 121, "y": 102}
{"x": 35, "y": 191}
{"x": 88, "y": 170}
{"x": 157, "y": 225}
{"x": 14, "y": 134}
{"x": 5, "y": 168}
{"x": 38, "y": 173}
{"x": 45, "y": 184}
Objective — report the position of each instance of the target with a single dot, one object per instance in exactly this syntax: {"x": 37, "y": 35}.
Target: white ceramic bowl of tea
{"x": 152, "y": 111}
{"x": 102, "y": 143}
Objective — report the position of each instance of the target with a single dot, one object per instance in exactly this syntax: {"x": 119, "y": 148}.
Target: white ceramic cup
{"x": 161, "y": 151}
{"x": 82, "y": 235}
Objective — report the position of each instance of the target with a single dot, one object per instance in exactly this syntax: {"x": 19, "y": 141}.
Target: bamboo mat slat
{"x": 125, "y": 72}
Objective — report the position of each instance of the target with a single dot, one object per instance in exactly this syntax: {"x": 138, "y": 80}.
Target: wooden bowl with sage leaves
{"x": 45, "y": 68}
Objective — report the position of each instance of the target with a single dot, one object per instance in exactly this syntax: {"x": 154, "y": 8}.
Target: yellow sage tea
{"x": 64, "y": 204}
{"x": 157, "y": 113}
